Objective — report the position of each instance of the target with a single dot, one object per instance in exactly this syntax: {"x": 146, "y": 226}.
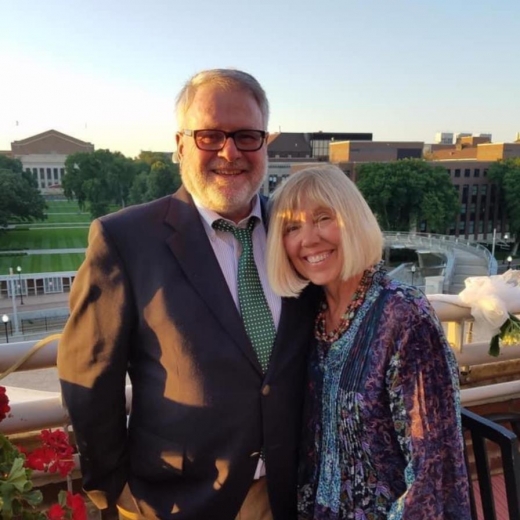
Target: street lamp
{"x": 19, "y": 269}
{"x": 509, "y": 260}
{"x": 413, "y": 269}
{"x": 5, "y": 319}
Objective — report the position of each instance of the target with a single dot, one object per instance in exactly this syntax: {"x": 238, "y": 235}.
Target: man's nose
{"x": 230, "y": 152}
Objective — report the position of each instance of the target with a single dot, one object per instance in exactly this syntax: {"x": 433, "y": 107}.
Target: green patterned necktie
{"x": 257, "y": 317}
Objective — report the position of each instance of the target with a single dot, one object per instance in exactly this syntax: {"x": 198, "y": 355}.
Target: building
{"x": 310, "y": 145}
{"x": 466, "y": 160}
{"x": 44, "y": 155}
{"x": 289, "y": 152}
{"x": 374, "y": 151}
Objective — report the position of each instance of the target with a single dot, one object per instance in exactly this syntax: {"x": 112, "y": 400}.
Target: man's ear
{"x": 180, "y": 145}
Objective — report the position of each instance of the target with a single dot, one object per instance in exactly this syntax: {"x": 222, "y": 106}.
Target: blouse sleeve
{"x": 423, "y": 389}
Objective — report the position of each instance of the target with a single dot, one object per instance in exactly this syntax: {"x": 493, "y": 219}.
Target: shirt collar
{"x": 209, "y": 216}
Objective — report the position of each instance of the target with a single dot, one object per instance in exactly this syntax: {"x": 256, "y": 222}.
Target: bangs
{"x": 308, "y": 190}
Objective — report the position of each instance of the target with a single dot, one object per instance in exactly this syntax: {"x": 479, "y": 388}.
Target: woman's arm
{"x": 422, "y": 384}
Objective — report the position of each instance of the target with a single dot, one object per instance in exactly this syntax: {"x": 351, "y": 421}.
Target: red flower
{"x": 56, "y": 512}
{"x": 4, "y": 404}
{"x": 77, "y": 504}
{"x": 55, "y": 454}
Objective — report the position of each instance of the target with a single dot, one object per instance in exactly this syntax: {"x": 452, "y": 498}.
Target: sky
{"x": 108, "y": 71}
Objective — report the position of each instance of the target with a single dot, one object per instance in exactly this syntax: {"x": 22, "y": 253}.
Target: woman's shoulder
{"x": 404, "y": 297}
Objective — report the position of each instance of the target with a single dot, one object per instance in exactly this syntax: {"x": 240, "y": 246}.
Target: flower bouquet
{"x": 493, "y": 300}
{"x": 18, "y": 498}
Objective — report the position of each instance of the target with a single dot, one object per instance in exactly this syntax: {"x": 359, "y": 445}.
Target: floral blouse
{"x": 382, "y": 432}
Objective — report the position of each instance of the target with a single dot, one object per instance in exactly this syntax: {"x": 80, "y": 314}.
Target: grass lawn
{"x": 62, "y": 218}
{"x": 41, "y": 263}
{"x": 62, "y": 206}
{"x": 44, "y": 239}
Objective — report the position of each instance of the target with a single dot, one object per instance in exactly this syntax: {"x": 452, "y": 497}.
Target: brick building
{"x": 44, "y": 155}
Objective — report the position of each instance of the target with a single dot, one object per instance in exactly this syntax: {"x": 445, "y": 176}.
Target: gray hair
{"x": 227, "y": 79}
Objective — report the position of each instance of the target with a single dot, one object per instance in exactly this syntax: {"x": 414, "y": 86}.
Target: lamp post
{"x": 413, "y": 269}
{"x": 493, "y": 243}
{"x": 12, "y": 283}
{"x": 5, "y": 319}
{"x": 19, "y": 270}
{"x": 509, "y": 260}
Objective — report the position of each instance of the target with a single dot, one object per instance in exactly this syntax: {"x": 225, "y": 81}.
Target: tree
{"x": 158, "y": 177}
{"x": 506, "y": 173}
{"x": 98, "y": 179}
{"x": 20, "y": 198}
{"x": 405, "y": 192}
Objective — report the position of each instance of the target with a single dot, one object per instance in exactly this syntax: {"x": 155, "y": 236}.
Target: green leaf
{"x": 494, "y": 346}
{"x": 18, "y": 476}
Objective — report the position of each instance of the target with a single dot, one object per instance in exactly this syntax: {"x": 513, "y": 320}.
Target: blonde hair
{"x": 227, "y": 79}
{"x": 361, "y": 238}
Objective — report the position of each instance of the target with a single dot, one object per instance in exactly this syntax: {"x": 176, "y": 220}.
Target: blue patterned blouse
{"x": 382, "y": 435}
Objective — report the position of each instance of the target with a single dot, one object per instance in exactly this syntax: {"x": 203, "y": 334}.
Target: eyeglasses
{"x": 215, "y": 140}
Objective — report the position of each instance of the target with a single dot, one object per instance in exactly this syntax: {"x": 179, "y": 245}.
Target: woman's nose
{"x": 310, "y": 234}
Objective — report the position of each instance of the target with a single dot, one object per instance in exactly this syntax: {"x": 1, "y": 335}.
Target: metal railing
{"x": 445, "y": 244}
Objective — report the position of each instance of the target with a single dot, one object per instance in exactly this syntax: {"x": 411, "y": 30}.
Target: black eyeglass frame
{"x": 193, "y": 133}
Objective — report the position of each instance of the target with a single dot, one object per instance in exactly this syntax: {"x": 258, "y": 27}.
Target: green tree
{"x": 20, "y": 199}
{"x": 506, "y": 174}
{"x": 404, "y": 193}
{"x": 98, "y": 179}
{"x": 157, "y": 177}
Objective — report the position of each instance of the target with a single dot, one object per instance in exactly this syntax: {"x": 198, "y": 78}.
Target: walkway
{"x": 46, "y": 251}
{"x": 456, "y": 258}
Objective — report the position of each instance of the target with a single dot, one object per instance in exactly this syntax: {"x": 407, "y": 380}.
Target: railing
{"x": 46, "y": 409}
{"x": 443, "y": 243}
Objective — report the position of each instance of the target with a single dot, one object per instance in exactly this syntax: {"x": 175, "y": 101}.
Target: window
{"x": 467, "y": 172}
{"x": 476, "y": 172}
{"x": 457, "y": 172}
{"x": 465, "y": 190}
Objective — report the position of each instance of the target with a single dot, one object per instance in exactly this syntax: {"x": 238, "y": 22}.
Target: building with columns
{"x": 44, "y": 155}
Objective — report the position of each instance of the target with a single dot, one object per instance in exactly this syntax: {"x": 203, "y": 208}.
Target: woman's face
{"x": 312, "y": 241}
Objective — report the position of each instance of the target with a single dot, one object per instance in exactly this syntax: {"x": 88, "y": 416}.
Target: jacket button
{"x": 266, "y": 389}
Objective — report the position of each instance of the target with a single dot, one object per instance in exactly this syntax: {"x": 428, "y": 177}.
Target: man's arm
{"x": 92, "y": 364}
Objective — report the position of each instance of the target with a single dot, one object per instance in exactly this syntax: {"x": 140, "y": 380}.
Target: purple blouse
{"x": 382, "y": 435}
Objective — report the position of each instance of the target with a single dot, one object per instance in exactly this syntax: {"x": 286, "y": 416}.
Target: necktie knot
{"x": 243, "y": 235}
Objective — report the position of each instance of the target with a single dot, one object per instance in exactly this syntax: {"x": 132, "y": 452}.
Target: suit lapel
{"x": 192, "y": 249}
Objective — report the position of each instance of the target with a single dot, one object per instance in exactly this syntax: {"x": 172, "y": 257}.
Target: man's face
{"x": 226, "y": 180}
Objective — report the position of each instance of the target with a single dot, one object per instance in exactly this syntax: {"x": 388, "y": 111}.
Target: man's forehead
{"x": 215, "y": 104}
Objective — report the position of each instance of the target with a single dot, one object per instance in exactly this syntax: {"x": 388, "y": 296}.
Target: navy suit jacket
{"x": 150, "y": 300}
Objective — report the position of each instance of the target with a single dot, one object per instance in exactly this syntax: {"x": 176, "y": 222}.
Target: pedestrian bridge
{"x": 452, "y": 258}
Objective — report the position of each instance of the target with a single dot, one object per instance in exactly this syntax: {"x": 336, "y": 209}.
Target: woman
{"x": 382, "y": 432}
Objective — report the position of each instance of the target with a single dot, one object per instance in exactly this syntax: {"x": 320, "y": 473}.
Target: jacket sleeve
{"x": 92, "y": 365}
{"x": 423, "y": 388}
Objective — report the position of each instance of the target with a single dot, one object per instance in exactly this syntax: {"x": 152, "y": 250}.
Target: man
{"x": 215, "y": 415}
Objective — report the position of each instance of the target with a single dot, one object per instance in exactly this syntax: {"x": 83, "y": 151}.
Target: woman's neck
{"x": 338, "y": 297}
